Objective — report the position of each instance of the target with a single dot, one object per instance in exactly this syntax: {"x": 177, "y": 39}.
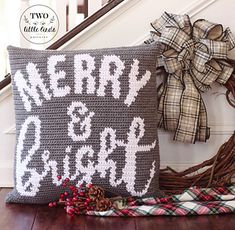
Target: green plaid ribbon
{"x": 194, "y": 56}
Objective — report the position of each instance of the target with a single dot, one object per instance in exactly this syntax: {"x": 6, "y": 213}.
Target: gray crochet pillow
{"x": 89, "y": 115}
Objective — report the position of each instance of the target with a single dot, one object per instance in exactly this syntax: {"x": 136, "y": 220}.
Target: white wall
{"x": 127, "y": 25}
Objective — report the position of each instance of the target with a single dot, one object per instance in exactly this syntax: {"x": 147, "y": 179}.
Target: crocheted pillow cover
{"x": 87, "y": 115}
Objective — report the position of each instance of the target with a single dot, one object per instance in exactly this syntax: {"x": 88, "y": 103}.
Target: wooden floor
{"x": 24, "y": 217}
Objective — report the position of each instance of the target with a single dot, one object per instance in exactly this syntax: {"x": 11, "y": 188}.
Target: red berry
{"x": 75, "y": 194}
{"x": 130, "y": 199}
{"x": 81, "y": 194}
{"x": 75, "y": 199}
{"x": 88, "y": 200}
{"x": 67, "y": 180}
{"x": 72, "y": 187}
{"x": 62, "y": 196}
{"x": 51, "y": 205}
{"x": 64, "y": 184}
{"x": 59, "y": 177}
{"x": 66, "y": 193}
{"x": 54, "y": 203}
{"x": 70, "y": 211}
{"x": 90, "y": 185}
{"x": 68, "y": 203}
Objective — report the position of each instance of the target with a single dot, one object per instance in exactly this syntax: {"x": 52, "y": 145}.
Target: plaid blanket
{"x": 193, "y": 201}
{"x": 194, "y": 56}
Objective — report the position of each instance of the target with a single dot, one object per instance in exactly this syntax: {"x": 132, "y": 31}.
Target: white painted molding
{"x": 11, "y": 130}
{"x": 100, "y": 23}
{"x": 6, "y": 176}
{"x": 192, "y": 9}
{"x": 197, "y": 6}
{"x": 5, "y": 92}
{"x": 94, "y": 6}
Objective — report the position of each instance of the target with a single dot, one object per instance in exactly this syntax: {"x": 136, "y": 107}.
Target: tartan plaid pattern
{"x": 194, "y": 56}
{"x": 193, "y": 201}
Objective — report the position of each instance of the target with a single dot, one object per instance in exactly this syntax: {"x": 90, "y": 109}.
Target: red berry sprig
{"x": 80, "y": 200}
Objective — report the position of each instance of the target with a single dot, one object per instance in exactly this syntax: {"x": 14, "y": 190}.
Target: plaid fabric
{"x": 193, "y": 201}
{"x": 194, "y": 57}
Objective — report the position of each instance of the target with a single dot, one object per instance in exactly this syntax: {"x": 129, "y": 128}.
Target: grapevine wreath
{"x": 193, "y": 56}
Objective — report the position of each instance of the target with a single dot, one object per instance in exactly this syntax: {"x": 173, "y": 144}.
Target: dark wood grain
{"x": 41, "y": 217}
{"x": 56, "y": 219}
{"x": 222, "y": 222}
{"x": 6, "y": 81}
{"x": 111, "y": 223}
{"x": 193, "y": 222}
{"x": 161, "y": 223}
{"x": 15, "y": 216}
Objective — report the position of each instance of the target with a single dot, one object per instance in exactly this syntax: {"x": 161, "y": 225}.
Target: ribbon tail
{"x": 190, "y": 102}
{"x": 171, "y": 110}
{"x": 161, "y": 94}
{"x": 203, "y": 132}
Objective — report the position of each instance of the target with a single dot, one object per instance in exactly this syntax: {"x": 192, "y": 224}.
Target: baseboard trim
{"x": 6, "y": 177}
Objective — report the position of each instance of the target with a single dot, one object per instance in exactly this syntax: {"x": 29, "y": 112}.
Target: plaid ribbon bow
{"x": 194, "y": 56}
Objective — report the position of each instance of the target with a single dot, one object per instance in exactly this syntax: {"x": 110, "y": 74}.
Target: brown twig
{"x": 220, "y": 172}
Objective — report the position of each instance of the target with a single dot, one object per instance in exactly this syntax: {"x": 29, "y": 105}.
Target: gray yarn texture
{"x": 100, "y": 130}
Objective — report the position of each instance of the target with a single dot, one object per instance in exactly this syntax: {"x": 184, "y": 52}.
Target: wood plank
{"x": 56, "y": 219}
{"x": 109, "y": 223}
{"x": 37, "y": 217}
{"x": 15, "y": 216}
{"x": 212, "y": 222}
{"x": 222, "y": 222}
{"x": 193, "y": 222}
{"x": 161, "y": 223}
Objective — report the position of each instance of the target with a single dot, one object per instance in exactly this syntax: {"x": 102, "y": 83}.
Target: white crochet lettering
{"x": 106, "y": 76}
{"x": 56, "y": 76}
{"x": 78, "y": 110}
{"x": 105, "y": 164}
{"x": 66, "y": 163}
{"x": 136, "y": 132}
{"x": 27, "y": 178}
{"x": 85, "y": 172}
{"x": 134, "y": 84}
{"x": 81, "y": 73}
{"x": 51, "y": 165}
{"x": 30, "y": 88}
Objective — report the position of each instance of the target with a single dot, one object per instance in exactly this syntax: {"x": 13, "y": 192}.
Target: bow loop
{"x": 174, "y": 38}
{"x": 217, "y": 49}
{"x": 205, "y": 29}
{"x": 194, "y": 56}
